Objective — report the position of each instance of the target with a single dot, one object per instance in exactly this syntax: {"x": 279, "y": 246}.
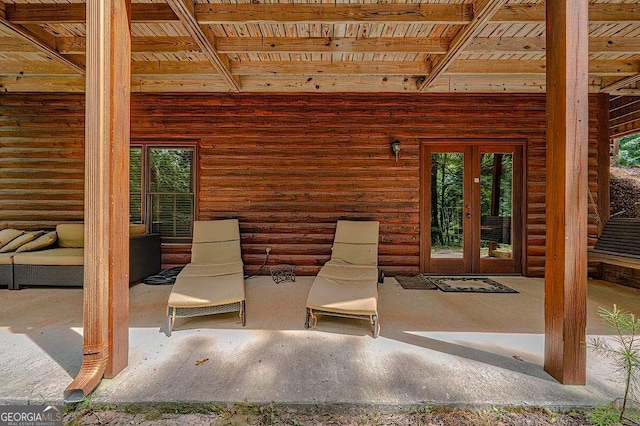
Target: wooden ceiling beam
{"x": 451, "y": 14}
{"x": 139, "y": 44}
{"x": 520, "y": 45}
{"x": 185, "y": 10}
{"x": 77, "y": 45}
{"x": 295, "y": 84}
{"x": 598, "y": 13}
{"x": 140, "y": 68}
{"x": 331, "y": 45}
{"x": 485, "y": 9}
{"x": 23, "y": 13}
{"x": 272, "y": 68}
{"x": 44, "y": 46}
{"x": 75, "y": 13}
{"x": 603, "y": 68}
{"x": 459, "y": 68}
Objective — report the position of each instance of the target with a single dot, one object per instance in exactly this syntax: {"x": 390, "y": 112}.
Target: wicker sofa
{"x": 62, "y": 264}
{"x": 6, "y": 270}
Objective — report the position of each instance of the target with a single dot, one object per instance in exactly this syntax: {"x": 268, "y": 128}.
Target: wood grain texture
{"x": 566, "y": 191}
{"x": 106, "y": 272}
{"x": 288, "y": 166}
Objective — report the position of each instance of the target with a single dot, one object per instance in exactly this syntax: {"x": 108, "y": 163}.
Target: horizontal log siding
{"x": 287, "y": 166}
{"x": 41, "y": 160}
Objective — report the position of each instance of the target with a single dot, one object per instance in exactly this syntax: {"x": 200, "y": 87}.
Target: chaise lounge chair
{"x": 213, "y": 282}
{"x": 347, "y": 285}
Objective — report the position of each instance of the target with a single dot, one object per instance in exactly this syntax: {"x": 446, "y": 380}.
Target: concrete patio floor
{"x": 434, "y": 347}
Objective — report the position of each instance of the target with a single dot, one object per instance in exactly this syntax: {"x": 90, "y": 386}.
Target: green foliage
{"x": 135, "y": 185}
{"x": 629, "y": 154}
{"x": 168, "y": 194}
{"x": 625, "y": 352}
{"x": 605, "y": 415}
{"x": 170, "y": 170}
{"x": 446, "y": 199}
{"x": 447, "y": 184}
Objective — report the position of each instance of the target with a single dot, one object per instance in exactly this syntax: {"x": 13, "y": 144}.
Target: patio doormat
{"x": 470, "y": 285}
{"x": 417, "y": 282}
{"x": 166, "y": 277}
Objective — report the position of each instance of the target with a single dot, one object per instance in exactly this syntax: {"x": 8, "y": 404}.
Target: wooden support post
{"x": 106, "y": 196}
{"x": 107, "y": 178}
{"x": 566, "y": 190}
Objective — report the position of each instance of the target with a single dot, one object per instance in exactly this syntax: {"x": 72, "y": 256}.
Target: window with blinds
{"x": 170, "y": 196}
{"x": 136, "y": 184}
{"x": 161, "y": 183}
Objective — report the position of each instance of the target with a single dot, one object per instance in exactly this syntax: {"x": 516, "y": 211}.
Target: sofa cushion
{"x": 136, "y": 229}
{"x": 21, "y": 240}
{"x": 41, "y": 242}
{"x": 6, "y": 258}
{"x": 6, "y": 235}
{"x": 70, "y": 235}
{"x": 56, "y": 256}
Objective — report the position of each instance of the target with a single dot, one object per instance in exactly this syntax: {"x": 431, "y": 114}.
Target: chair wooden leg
{"x": 243, "y": 313}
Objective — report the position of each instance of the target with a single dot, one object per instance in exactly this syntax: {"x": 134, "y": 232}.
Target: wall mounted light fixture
{"x": 395, "y": 148}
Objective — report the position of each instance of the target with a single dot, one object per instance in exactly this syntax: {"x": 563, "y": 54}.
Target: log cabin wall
{"x": 41, "y": 160}
{"x": 288, "y": 166}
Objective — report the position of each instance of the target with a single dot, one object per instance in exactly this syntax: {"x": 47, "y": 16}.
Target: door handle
{"x": 469, "y": 215}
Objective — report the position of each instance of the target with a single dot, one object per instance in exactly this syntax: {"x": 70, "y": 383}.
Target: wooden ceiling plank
{"x": 330, "y": 45}
{"x": 16, "y": 45}
{"x": 184, "y": 9}
{"x": 598, "y": 13}
{"x": 451, "y": 14}
{"x": 485, "y": 9}
{"x": 621, "y": 84}
{"x": 75, "y": 13}
{"x": 42, "y": 45}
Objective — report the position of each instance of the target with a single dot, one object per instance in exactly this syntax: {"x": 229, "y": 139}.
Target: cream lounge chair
{"x": 347, "y": 285}
{"x": 213, "y": 282}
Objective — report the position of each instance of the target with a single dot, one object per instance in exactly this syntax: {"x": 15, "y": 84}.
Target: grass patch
{"x": 246, "y": 413}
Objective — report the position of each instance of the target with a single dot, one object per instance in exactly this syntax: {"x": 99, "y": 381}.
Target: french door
{"x": 471, "y": 208}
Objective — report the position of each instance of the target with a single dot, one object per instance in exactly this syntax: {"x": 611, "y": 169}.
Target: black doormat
{"x": 166, "y": 277}
{"x": 470, "y": 285}
{"x": 417, "y": 282}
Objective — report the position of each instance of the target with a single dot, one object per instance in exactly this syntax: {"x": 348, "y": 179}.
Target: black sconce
{"x": 395, "y": 148}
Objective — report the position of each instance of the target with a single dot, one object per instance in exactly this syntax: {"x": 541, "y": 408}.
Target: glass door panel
{"x": 496, "y": 205}
{"x": 447, "y": 189}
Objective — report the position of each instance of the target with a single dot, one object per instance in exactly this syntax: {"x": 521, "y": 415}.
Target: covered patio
{"x": 293, "y": 116}
{"x": 435, "y": 347}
